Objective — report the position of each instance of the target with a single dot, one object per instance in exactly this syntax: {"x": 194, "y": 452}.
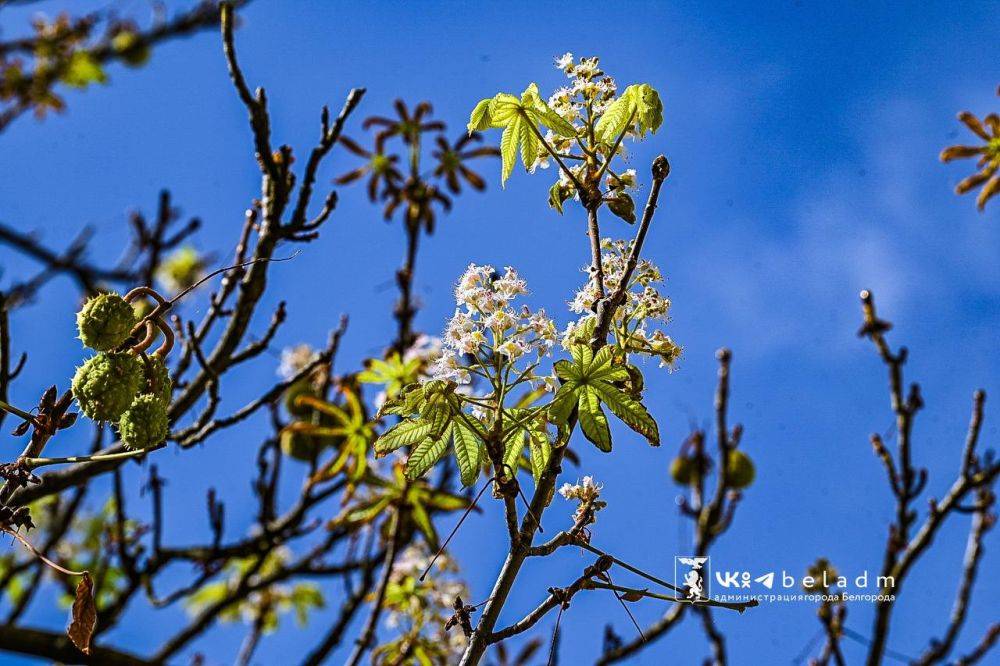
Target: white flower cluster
{"x": 439, "y": 590}
{"x": 487, "y": 320}
{"x": 426, "y": 348}
{"x": 589, "y": 88}
{"x": 643, "y": 304}
{"x": 588, "y": 494}
{"x": 590, "y": 91}
{"x": 586, "y": 490}
{"x": 295, "y": 359}
{"x": 425, "y": 606}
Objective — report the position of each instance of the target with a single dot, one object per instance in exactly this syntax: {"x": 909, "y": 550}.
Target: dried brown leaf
{"x": 84, "y": 615}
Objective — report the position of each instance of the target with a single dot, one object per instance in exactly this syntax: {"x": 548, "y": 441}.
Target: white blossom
{"x": 295, "y": 359}
{"x": 564, "y": 61}
{"x": 586, "y": 490}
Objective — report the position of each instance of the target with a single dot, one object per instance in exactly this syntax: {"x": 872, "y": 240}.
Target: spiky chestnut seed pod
{"x": 684, "y": 470}
{"x": 157, "y": 378}
{"x": 740, "y": 471}
{"x": 144, "y": 424}
{"x": 106, "y": 384}
{"x": 105, "y": 321}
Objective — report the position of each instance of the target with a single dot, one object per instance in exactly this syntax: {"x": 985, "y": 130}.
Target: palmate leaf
{"x": 429, "y": 448}
{"x": 439, "y": 421}
{"x": 520, "y": 120}
{"x": 393, "y": 372}
{"x": 591, "y": 380}
{"x": 638, "y": 107}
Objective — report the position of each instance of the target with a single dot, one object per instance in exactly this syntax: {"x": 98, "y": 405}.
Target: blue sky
{"x": 803, "y": 140}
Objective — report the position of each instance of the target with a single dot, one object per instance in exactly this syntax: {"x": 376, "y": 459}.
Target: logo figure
{"x": 695, "y": 577}
{"x": 767, "y": 579}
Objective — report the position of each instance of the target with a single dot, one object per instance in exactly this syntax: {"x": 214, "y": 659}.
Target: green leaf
{"x": 638, "y": 107}
{"x": 557, "y": 196}
{"x": 556, "y": 123}
{"x": 540, "y": 450}
{"x": 566, "y": 370}
{"x": 518, "y": 118}
{"x": 540, "y": 112}
{"x": 530, "y": 97}
{"x": 305, "y": 596}
{"x": 467, "y": 452}
{"x": 364, "y": 512}
{"x": 437, "y": 410}
{"x": 630, "y": 411}
{"x": 513, "y": 446}
{"x": 582, "y": 355}
{"x": 404, "y": 433}
{"x": 529, "y": 145}
{"x": 563, "y": 403}
{"x": 615, "y": 119}
{"x": 444, "y": 501}
{"x": 425, "y": 455}
{"x": 649, "y": 108}
{"x": 603, "y": 369}
{"x": 424, "y": 524}
{"x": 508, "y": 149}
{"x": 503, "y": 109}
{"x": 593, "y": 420}
{"x": 422, "y": 657}
{"x": 480, "y": 118}
{"x": 592, "y": 379}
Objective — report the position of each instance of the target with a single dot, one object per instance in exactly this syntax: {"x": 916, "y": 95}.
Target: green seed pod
{"x": 106, "y": 384}
{"x": 105, "y": 321}
{"x": 740, "y": 471}
{"x": 142, "y": 308}
{"x": 182, "y": 269}
{"x": 158, "y": 381}
{"x": 144, "y": 424}
{"x": 684, "y": 470}
{"x": 132, "y": 49}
